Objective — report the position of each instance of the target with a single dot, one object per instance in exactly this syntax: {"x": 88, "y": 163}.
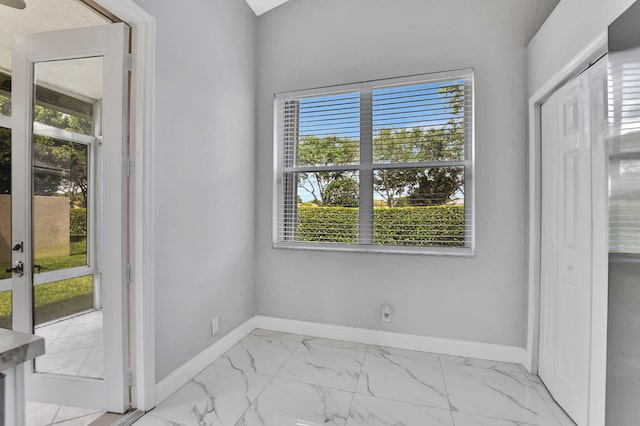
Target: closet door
{"x": 567, "y": 243}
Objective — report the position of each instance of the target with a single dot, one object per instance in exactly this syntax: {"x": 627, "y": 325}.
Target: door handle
{"x": 18, "y": 269}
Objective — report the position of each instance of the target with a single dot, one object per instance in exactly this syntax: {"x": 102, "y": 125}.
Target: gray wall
{"x": 306, "y": 44}
{"x": 623, "y": 358}
{"x": 204, "y": 181}
{"x": 570, "y": 28}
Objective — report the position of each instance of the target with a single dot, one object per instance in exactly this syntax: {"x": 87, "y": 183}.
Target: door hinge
{"x": 129, "y": 62}
{"x": 128, "y": 167}
{"x": 128, "y": 274}
{"x": 130, "y": 377}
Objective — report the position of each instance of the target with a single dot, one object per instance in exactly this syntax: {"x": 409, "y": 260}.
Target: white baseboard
{"x": 195, "y": 365}
{"x": 187, "y": 371}
{"x": 414, "y": 342}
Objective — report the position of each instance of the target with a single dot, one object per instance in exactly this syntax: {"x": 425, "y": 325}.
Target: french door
{"x": 69, "y": 212}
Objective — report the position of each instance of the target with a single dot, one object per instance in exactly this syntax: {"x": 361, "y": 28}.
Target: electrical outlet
{"x": 215, "y": 326}
{"x": 386, "y": 313}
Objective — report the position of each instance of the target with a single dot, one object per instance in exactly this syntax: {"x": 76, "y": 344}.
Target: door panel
{"x": 69, "y": 106}
{"x": 567, "y": 241}
{"x": 549, "y": 236}
{"x": 574, "y": 253}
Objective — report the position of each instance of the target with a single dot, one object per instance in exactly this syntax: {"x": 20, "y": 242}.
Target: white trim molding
{"x": 141, "y": 131}
{"x": 463, "y": 348}
{"x": 181, "y": 376}
{"x": 187, "y": 371}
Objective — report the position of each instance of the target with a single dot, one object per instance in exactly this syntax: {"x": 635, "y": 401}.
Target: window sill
{"x": 386, "y": 249}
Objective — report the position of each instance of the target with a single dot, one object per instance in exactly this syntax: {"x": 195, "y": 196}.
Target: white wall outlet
{"x": 386, "y": 313}
{"x": 215, "y": 326}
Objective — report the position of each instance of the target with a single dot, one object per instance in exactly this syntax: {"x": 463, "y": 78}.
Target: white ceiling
{"x": 48, "y": 15}
{"x": 263, "y": 6}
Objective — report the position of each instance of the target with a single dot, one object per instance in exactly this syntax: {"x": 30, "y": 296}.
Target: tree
{"x": 444, "y": 143}
{"x": 5, "y": 161}
{"x": 325, "y": 151}
{"x": 60, "y": 166}
{"x": 401, "y": 146}
{"x": 437, "y": 186}
{"x": 5, "y": 149}
{"x": 342, "y": 192}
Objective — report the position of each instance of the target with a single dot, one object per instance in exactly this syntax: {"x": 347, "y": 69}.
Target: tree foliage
{"x": 341, "y": 192}
{"x": 397, "y": 187}
{"x": 5, "y": 161}
{"x": 60, "y": 166}
{"x": 326, "y": 151}
{"x": 445, "y": 143}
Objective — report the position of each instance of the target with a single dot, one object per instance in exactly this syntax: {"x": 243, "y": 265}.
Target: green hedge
{"x": 78, "y": 221}
{"x": 328, "y": 224}
{"x": 417, "y": 226}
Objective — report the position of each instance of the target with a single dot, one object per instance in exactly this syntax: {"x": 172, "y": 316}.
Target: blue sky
{"x": 396, "y": 107}
{"x": 393, "y": 108}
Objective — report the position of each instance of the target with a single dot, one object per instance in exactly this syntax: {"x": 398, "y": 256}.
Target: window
{"x": 623, "y": 144}
{"x": 377, "y": 166}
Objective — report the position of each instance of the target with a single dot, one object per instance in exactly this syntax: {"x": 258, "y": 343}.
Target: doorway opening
{"x": 64, "y": 256}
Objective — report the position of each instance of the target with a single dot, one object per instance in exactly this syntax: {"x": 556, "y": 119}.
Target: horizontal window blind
{"x": 624, "y": 153}
{"x": 376, "y": 165}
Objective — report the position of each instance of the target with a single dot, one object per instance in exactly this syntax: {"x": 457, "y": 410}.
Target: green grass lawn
{"x": 60, "y": 298}
{"x": 77, "y": 257}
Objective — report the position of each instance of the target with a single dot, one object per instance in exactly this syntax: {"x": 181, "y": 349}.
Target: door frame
{"x": 109, "y": 42}
{"x": 597, "y": 385}
{"x": 141, "y": 219}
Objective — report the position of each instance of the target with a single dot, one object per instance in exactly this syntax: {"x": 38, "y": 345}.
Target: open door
{"x": 69, "y": 212}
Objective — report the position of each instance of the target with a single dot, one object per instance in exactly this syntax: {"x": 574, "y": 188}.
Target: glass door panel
{"x": 67, "y": 307}
{"x": 5, "y": 221}
{"x": 69, "y": 104}
{"x": 60, "y": 204}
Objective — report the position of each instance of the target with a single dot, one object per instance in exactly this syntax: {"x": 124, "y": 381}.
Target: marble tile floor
{"x": 46, "y": 414}
{"x": 73, "y": 346}
{"x": 280, "y": 379}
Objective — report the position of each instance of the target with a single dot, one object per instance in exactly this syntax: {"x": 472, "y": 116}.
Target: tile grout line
{"x": 75, "y": 418}
{"x": 69, "y": 323}
{"x": 353, "y": 394}
{"x": 271, "y": 378}
{"x": 85, "y": 361}
{"x": 446, "y": 389}
{"x": 55, "y": 415}
{"x": 497, "y": 417}
{"x": 535, "y": 388}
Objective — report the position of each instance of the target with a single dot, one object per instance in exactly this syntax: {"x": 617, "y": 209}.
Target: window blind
{"x": 624, "y": 152}
{"x": 377, "y": 165}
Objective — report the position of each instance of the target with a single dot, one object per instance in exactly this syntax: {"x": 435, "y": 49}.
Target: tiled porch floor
{"x": 73, "y": 346}
{"x": 280, "y": 379}
{"x": 45, "y": 414}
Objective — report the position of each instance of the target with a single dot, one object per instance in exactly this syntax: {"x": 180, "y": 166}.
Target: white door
{"x": 567, "y": 239}
{"x": 69, "y": 149}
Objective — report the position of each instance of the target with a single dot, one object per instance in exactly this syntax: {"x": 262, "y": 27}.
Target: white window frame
{"x": 366, "y": 168}
{"x": 91, "y": 142}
